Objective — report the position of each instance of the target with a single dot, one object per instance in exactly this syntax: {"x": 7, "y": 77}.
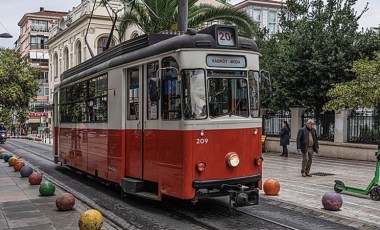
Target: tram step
{"x": 131, "y": 185}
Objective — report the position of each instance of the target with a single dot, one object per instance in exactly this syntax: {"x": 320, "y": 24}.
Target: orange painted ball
{"x": 19, "y": 164}
{"x": 271, "y": 187}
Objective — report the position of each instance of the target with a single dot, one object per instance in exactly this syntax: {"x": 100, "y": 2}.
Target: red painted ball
{"x": 35, "y": 178}
{"x": 18, "y": 166}
{"x": 332, "y": 201}
{"x": 271, "y": 187}
{"x": 65, "y": 201}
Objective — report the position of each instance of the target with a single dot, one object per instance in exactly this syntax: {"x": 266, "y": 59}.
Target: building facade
{"x": 79, "y": 35}
{"x": 32, "y": 43}
{"x": 264, "y": 12}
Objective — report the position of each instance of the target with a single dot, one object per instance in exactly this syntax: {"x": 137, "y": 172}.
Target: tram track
{"x": 33, "y": 152}
{"x": 236, "y": 216}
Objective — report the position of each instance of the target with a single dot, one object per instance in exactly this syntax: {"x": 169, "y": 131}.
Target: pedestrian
{"x": 284, "y": 138}
{"x": 307, "y": 143}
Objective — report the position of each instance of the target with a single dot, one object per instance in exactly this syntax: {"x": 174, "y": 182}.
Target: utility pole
{"x": 182, "y": 15}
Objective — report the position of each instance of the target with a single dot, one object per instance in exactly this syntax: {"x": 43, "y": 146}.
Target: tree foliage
{"x": 153, "y": 16}
{"x": 317, "y": 46}
{"x": 18, "y": 81}
{"x": 363, "y": 91}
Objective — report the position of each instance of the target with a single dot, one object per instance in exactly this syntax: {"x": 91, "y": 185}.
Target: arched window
{"x": 65, "y": 58}
{"x": 55, "y": 61}
{"x": 78, "y": 52}
{"x": 102, "y": 43}
{"x": 134, "y": 34}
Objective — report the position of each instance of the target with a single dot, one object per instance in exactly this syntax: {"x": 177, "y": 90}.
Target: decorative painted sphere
{"x": 12, "y": 161}
{"x": 332, "y": 201}
{"x": 2, "y": 150}
{"x": 47, "y": 188}
{"x": 35, "y": 178}
{"x": 91, "y": 220}
{"x": 2, "y": 155}
{"x": 26, "y": 171}
{"x": 7, "y": 156}
{"x": 65, "y": 201}
{"x": 19, "y": 164}
{"x": 271, "y": 187}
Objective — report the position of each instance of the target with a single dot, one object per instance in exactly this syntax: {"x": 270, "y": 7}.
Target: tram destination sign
{"x": 226, "y": 61}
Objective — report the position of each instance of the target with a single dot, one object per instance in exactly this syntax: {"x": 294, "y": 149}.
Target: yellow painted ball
{"x": 91, "y": 220}
{"x": 12, "y": 161}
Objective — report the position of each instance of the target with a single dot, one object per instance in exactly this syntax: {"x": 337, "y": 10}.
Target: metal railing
{"x": 324, "y": 124}
{"x": 363, "y": 128}
{"x": 272, "y": 122}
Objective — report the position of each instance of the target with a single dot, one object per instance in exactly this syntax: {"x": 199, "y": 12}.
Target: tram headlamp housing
{"x": 232, "y": 160}
{"x": 259, "y": 161}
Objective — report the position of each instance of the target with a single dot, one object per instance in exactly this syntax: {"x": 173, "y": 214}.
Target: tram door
{"x": 134, "y": 123}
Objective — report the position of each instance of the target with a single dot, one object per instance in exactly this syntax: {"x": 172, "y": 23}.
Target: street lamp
{"x": 5, "y": 35}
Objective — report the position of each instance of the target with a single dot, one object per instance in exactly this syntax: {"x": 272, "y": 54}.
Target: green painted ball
{"x": 47, "y": 188}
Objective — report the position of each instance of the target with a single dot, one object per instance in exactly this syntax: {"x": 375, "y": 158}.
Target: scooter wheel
{"x": 375, "y": 193}
{"x": 338, "y": 182}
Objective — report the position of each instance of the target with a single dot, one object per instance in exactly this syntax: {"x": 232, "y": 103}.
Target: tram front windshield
{"x": 229, "y": 93}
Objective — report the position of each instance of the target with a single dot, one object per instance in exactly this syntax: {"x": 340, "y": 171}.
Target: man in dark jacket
{"x": 307, "y": 143}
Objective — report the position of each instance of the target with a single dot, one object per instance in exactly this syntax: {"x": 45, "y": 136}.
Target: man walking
{"x": 307, "y": 143}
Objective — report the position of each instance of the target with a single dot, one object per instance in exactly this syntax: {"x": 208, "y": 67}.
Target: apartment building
{"x": 264, "y": 12}
{"x": 32, "y": 43}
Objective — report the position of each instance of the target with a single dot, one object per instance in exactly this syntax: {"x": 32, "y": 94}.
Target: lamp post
{"x": 6, "y": 35}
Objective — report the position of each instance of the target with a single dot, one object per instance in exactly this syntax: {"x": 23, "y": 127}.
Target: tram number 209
{"x": 201, "y": 141}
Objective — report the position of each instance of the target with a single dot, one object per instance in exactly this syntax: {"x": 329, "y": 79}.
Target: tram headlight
{"x": 233, "y": 160}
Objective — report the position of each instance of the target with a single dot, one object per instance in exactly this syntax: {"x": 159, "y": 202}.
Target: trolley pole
{"x": 182, "y": 15}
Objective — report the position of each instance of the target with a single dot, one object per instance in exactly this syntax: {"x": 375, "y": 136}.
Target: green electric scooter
{"x": 373, "y": 188}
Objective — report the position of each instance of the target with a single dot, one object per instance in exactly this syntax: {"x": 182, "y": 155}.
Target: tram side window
{"x": 152, "y": 91}
{"x": 85, "y": 101}
{"x": 133, "y": 94}
{"x": 253, "y": 78}
{"x": 78, "y": 94}
{"x": 171, "y": 91}
{"x": 194, "y": 90}
{"x": 97, "y": 100}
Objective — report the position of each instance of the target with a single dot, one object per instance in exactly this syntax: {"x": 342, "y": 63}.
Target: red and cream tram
{"x": 164, "y": 115}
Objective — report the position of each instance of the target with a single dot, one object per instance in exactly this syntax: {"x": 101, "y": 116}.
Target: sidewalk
{"x": 21, "y": 206}
{"x": 305, "y": 193}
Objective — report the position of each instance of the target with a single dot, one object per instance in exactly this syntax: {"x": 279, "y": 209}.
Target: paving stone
{"x": 3, "y": 224}
{"x": 37, "y": 227}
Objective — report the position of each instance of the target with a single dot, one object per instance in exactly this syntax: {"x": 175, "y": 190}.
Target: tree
{"x": 316, "y": 48}
{"x": 18, "y": 81}
{"x": 363, "y": 91}
{"x": 153, "y": 16}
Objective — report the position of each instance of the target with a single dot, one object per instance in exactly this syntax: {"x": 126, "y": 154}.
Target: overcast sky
{"x": 12, "y": 12}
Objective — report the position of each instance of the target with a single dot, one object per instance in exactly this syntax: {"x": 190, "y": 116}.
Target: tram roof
{"x": 148, "y": 45}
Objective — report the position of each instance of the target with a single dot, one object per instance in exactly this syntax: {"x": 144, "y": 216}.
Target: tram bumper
{"x": 242, "y": 191}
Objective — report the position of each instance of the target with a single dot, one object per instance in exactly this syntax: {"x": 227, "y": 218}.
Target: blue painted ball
{"x": 26, "y": 171}
{"x": 7, "y": 156}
